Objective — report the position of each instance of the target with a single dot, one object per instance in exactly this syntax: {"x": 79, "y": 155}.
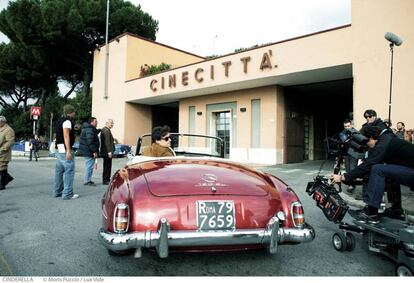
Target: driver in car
{"x": 161, "y": 143}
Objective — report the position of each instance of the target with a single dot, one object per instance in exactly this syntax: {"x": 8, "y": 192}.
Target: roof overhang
{"x": 332, "y": 73}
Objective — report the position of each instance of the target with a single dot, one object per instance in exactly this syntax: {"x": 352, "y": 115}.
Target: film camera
{"x": 325, "y": 194}
{"x": 328, "y": 199}
{"x": 345, "y": 143}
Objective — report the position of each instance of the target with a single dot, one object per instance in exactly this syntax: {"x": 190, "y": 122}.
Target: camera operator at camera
{"x": 388, "y": 158}
{"x": 371, "y": 116}
{"x": 351, "y": 158}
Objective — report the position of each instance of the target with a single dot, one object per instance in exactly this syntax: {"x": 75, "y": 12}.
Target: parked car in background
{"x": 75, "y": 149}
{"x": 122, "y": 150}
{"x": 198, "y": 201}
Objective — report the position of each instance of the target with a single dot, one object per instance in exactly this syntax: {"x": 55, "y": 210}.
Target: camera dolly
{"x": 391, "y": 237}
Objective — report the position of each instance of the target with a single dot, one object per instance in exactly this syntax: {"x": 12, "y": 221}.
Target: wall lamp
{"x": 243, "y": 109}
{"x": 199, "y": 113}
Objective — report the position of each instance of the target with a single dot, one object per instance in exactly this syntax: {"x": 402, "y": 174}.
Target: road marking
{"x": 315, "y": 172}
{"x": 5, "y": 266}
{"x": 292, "y": 171}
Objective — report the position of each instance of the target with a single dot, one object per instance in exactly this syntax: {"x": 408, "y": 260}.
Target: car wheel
{"x": 403, "y": 270}
{"x": 350, "y": 242}
{"x": 339, "y": 242}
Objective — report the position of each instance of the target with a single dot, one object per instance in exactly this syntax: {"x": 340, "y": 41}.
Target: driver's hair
{"x": 159, "y": 132}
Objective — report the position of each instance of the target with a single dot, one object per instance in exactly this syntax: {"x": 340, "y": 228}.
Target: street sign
{"x": 35, "y": 110}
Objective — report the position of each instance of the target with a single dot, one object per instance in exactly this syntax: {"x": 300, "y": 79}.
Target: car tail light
{"x": 121, "y": 218}
{"x": 297, "y": 214}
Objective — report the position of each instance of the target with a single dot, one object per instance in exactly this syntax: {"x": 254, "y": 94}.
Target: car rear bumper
{"x": 271, "y": 237}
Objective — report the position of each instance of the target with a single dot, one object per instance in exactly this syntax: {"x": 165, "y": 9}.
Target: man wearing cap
{"x": 65, "y": 159}
{"x": 6, "y": 142}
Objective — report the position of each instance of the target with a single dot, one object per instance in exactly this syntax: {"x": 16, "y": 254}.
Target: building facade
{"x": 272, "y": 104}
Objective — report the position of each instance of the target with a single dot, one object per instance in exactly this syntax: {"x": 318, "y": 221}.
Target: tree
{"x": 22, "y": 77}
{"x": 63, "y": 33}
{"x": 53, "y": 40}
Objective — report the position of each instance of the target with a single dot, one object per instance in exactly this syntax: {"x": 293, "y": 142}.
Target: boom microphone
{"x": 393, "y": 38}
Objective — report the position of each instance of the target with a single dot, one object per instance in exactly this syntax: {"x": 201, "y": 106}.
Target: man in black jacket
{"x": 89, "y": 147}
{"x": 371, "y": 116}
{"x": 388, "y": 158}
{"x": 107, "y": 150}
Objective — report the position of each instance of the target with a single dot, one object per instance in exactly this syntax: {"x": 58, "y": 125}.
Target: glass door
{"x": 223, "y": 129}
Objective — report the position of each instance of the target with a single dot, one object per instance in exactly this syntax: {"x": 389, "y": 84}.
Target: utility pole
{"x": 106, "y": 51}
{"x": 51, "y": 126}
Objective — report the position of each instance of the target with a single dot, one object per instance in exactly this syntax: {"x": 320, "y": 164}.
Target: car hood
{"x": 201, "y": 177}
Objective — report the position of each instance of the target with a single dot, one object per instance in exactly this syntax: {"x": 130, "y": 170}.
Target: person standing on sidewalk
{"x": 34, "y": 145}
{"x": 65, "y": 160}
{"x": 351, "y": 159}
{"x": 89, "y": 147}
{"x": 107, "y": 150}
{"x": 402, "y": 133}
{"x": 6, "y": 142}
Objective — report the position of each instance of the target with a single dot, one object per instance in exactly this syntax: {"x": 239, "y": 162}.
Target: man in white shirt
{"x": 65, "y": 159}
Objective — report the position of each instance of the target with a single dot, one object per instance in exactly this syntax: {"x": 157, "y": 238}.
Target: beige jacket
{"x": 155, "y": 150}
{"x": 6, "y": 143}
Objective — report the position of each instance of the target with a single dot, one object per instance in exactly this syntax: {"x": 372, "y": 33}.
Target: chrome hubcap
{"x": 337, "y": 242}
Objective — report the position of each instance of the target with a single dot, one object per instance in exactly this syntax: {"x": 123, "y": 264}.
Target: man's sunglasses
{"x": 368, "y": 116}
{"x": 166, "y": 138}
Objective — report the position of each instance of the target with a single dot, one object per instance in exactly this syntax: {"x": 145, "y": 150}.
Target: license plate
{"x": 215, "y": 215}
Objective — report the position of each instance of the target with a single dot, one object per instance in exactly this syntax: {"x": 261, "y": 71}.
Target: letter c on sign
{"x": 152, "y": 85}
{"x": 196, "y": 75}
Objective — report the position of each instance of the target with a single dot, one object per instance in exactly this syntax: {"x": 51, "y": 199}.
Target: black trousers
{"x": 107, "y": 167}
{"x": 390, "y": 185}
{"x": 5, "y": 178}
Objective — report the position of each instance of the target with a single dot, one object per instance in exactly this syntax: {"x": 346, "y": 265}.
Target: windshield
{"x": 188, "y": 145}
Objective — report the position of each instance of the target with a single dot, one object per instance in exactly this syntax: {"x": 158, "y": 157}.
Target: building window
{"x": 255, "y": 133}
{"x": 191, "y": 119}
{"x": 191, "y": 124}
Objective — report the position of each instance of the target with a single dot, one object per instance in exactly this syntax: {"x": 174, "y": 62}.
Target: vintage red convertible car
{"x": 198, "y": 201}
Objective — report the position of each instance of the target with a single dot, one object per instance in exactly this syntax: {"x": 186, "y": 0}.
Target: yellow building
{"x": 272, "y": 104}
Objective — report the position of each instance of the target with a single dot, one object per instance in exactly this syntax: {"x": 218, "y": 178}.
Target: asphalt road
{"x": 45, "y": 236}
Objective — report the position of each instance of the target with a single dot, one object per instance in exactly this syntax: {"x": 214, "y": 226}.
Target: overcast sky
{"x": 220, "y": 26}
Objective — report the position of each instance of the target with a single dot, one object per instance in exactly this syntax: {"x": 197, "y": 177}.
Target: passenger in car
{"x": 161, "y": 143}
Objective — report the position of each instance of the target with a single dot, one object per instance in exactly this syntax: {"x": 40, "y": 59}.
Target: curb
{"x": 27, "y": 158}
{"x": 360, "y": 204}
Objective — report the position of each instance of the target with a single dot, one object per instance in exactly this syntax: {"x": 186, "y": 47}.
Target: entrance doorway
{"x": 223, "y": 129}
{"x": 313, "y": 113}
{"x": 166, "y": 114}
{"x": 295, "y": 138}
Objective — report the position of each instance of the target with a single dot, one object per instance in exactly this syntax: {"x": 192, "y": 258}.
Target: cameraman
{"x": 388, "y": 158}
{"x": 371, "y": 116}
{"x": 351, "y": 158}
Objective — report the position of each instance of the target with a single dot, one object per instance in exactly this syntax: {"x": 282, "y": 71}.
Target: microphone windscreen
{"x": 393, "y": 38}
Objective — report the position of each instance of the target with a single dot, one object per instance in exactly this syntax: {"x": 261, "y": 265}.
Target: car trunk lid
{"x": 202, "y": 177}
